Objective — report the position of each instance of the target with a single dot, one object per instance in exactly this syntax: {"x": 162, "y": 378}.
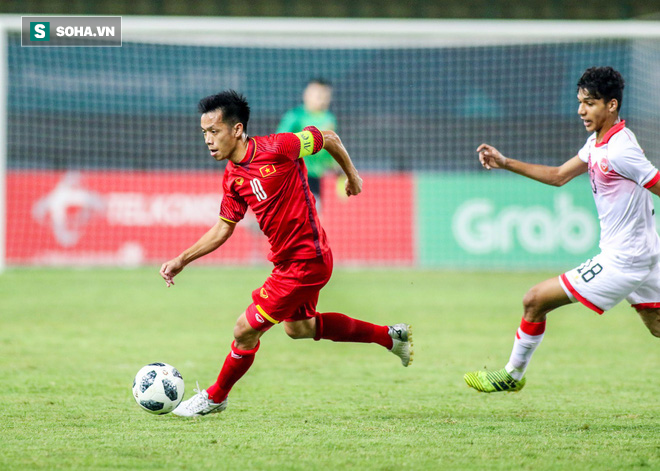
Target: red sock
{"x": 340, "y": 328}
{"x": 236, "y": 365}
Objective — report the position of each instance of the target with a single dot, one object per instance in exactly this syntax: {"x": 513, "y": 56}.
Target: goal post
{"x": 102, "y": 163}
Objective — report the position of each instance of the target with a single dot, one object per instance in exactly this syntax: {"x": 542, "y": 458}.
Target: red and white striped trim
{"x": 532, "y": 328}
{"x": 578, "y": 296}
{"x": 653, "y": 180}
{"x": 611, "y": 132}
{"x": 646, "y": 306}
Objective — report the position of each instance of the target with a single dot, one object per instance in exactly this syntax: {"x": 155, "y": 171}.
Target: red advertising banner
{"x": 131, "y": 218}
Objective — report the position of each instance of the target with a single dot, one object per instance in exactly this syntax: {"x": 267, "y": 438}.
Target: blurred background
{"x": 105, "y": 164}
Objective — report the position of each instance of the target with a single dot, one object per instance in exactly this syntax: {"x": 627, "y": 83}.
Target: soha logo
{"x": 480, "y": 229}
{"x": 71, "y": 31}
{"x": 39, "y": 31}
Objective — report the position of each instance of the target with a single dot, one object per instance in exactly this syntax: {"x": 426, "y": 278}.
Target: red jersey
{"x": 272, "y": 180}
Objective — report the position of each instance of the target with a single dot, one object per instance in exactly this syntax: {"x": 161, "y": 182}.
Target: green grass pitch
{"x": 72, "y": 340}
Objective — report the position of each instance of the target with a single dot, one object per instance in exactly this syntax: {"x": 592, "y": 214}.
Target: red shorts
{"x": 290, "y": 293}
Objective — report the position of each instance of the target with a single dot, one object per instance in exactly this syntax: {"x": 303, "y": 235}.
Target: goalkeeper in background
{"x": 314, "y": 111}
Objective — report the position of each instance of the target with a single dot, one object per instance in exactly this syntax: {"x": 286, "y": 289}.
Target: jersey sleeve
{"x": 301, "y": 144}
{"x": 584, "y": 152}
{"x": 629, "y": 161}
{"x": 232, "y": 207}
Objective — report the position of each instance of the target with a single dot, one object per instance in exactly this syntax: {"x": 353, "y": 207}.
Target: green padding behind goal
{"x": 503, "y": 221}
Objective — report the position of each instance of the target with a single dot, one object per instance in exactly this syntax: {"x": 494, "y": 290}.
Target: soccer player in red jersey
{"x": 268, "y": 174}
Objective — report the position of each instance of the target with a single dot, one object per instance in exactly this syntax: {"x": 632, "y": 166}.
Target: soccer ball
{"x": 158, "y": 388}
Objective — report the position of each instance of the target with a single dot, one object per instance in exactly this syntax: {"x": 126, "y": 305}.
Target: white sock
{"x": 528, "y": 337}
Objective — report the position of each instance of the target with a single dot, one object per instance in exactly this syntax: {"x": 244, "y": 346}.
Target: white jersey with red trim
{"x": 620, "y": 174}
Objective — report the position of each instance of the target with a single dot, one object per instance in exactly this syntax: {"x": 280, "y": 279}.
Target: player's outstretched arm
{"x": 491, "y": 158}
{"x": 334, "y": 146}
{"x": 214, "y": 238}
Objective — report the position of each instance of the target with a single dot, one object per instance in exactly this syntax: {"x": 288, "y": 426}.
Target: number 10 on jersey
{"x": 258, "y": 189}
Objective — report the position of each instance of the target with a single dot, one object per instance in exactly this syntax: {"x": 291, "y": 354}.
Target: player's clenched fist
{"x": 490, "y": 157}
{"x": 353, "y": 186}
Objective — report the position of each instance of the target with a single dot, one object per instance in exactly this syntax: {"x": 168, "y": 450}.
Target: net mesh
{"x": 106, "y": 164}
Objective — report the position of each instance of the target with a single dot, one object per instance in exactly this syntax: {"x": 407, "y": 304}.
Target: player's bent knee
{"x": 244, "y": 334}
{"x": 300, "y": 329}
{"x": 246, "y": 340}
{"x": 531, "y": 301}
{"x": 293, "y": 333}
{"x": 651, "y": 319}
{"x": 296, "y": 333}
{"x": 654, "y": 328}
{"x": 543, "y": 298}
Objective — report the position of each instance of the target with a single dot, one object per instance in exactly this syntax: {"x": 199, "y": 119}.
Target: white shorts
{"x": 604, "y": 281}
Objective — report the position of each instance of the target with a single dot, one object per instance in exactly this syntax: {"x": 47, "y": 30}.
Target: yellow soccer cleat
{"x": 493, "y": 381}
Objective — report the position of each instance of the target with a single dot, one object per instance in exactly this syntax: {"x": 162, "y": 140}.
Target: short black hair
{"x": 320, "y": 81}
{"x": 234, "y": 107}
{"x": 602, "y": 82}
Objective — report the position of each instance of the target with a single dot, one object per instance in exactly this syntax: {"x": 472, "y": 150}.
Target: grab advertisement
{"x": 504, "y": 222}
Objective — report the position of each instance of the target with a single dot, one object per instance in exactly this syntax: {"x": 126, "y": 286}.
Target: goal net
{"x": 104, "y": 164}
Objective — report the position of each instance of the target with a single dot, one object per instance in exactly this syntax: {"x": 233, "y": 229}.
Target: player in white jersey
{"x": 628, "y": 267}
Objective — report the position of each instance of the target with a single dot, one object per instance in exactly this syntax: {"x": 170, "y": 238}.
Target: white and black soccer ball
{"x": 158, "y": 388}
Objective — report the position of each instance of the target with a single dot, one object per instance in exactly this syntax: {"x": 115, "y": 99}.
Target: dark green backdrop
{"x": 518, "y": 9}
